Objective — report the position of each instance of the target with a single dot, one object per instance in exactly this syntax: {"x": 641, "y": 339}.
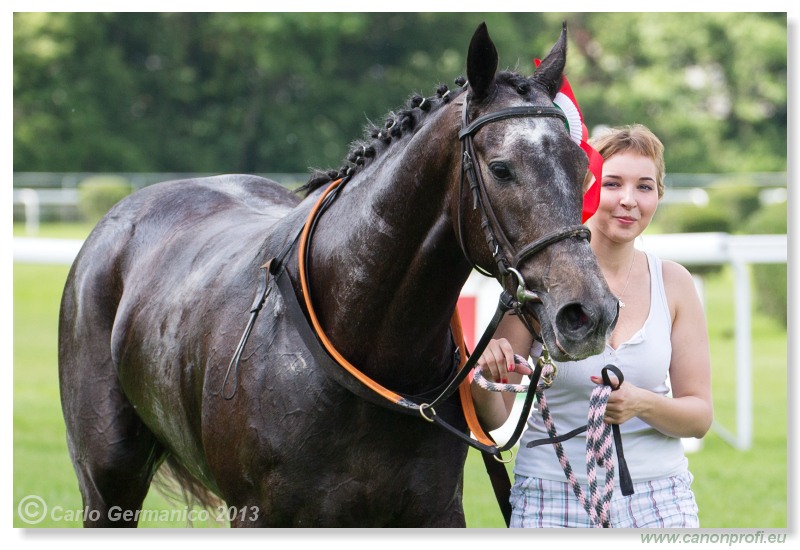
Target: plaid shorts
{"x": 660, "y": 503}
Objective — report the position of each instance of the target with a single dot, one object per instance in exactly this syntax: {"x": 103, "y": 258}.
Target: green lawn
{"x": 734, "y": 489}
{"x": 65, "y": 230}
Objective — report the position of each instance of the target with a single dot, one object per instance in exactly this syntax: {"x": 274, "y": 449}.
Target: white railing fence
{"x": 740, "y": 251}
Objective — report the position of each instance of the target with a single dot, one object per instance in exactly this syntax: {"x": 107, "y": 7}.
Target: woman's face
{"x": 628, "y": 197}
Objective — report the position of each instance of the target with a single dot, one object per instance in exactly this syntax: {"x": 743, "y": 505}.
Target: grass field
{"x": 735, "y": 489}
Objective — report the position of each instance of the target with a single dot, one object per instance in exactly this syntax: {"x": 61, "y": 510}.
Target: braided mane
{"x": 398, "y": 123}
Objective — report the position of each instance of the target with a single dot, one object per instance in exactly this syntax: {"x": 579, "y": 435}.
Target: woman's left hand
{"x": 625, "y": 401}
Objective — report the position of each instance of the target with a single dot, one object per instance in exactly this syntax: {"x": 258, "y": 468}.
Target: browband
{"x": 523, "y": 111}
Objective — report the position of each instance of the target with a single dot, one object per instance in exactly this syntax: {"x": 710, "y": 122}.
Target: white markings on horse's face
{"x": 524, "y": 131}
{"x": 532, "y": 143}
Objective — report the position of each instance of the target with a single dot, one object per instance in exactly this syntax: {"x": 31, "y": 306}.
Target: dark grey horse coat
{"x": 157, "y": 299}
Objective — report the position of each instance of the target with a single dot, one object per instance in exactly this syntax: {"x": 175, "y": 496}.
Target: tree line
{"x": 287, "y": 92}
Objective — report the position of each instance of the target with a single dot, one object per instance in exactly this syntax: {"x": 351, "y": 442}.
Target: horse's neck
{"x": 393, "y": 268}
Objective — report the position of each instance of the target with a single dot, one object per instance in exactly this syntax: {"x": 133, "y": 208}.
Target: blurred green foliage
{"x": 97, "y": 194}
{"x": 770, "y": 279}
{"x": 283, "y": 92}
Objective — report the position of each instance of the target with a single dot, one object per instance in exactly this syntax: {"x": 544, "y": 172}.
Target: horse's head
{"x": 519, "y": 215}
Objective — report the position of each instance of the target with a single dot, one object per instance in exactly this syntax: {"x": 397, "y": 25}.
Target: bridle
{"x": 508, "y": 260}
{"x": 505, "y": 255}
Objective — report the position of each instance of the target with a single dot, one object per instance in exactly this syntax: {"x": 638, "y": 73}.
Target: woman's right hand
{"x": 498, "y": 363}
{"x": 498, "y": 359}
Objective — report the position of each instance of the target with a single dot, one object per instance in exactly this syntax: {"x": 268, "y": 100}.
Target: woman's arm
{"x": 690, "y": 411}
{"x": 497, "y": 364}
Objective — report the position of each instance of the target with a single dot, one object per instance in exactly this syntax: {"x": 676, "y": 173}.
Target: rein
{"x": 349, "y": 376}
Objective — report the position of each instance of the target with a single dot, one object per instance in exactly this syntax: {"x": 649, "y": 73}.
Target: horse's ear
{"x": 481, "y": 63}
{"x": 551, "y": 70}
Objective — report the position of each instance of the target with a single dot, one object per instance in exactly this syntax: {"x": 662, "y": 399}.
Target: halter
{"x": 505, "y": 255}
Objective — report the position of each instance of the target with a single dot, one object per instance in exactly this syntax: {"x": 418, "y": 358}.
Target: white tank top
{"x": 644, "y": 361}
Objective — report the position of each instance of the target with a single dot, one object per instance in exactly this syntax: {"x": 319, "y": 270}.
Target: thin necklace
{"x": 627, "y": 280}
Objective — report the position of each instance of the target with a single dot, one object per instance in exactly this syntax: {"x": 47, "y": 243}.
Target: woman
{"x": 660, "y": 334}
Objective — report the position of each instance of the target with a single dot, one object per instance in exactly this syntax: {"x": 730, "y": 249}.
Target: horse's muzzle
{"x": 577, "y": 329}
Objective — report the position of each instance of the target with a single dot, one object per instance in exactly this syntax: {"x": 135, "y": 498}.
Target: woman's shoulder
{"x": 679, "y": 285}
{"x": 675, "y": 275}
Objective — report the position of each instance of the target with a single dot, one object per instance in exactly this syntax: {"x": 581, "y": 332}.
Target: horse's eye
{"x": 501, "y": 171}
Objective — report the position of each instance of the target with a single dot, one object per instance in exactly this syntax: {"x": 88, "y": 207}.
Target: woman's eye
{"x": 500, "y": 171}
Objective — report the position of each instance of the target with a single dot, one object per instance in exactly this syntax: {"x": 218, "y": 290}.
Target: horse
{"x": 155, "y": 303}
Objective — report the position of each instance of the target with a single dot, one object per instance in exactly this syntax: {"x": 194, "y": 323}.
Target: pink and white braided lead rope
{"x": 599, "y": 441}
{"x": 598, "y": 453}
{"x": 497, "y": 387}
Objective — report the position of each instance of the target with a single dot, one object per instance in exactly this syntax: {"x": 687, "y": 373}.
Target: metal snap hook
{"x": 549, "y": 369}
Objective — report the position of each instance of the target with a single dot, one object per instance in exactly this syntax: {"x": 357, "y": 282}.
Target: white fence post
{"x": 30, "y": 200}
{"x": 744, "y": 355}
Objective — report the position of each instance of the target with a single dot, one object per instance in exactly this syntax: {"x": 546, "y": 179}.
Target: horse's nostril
{"x": 573, "y": 318}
